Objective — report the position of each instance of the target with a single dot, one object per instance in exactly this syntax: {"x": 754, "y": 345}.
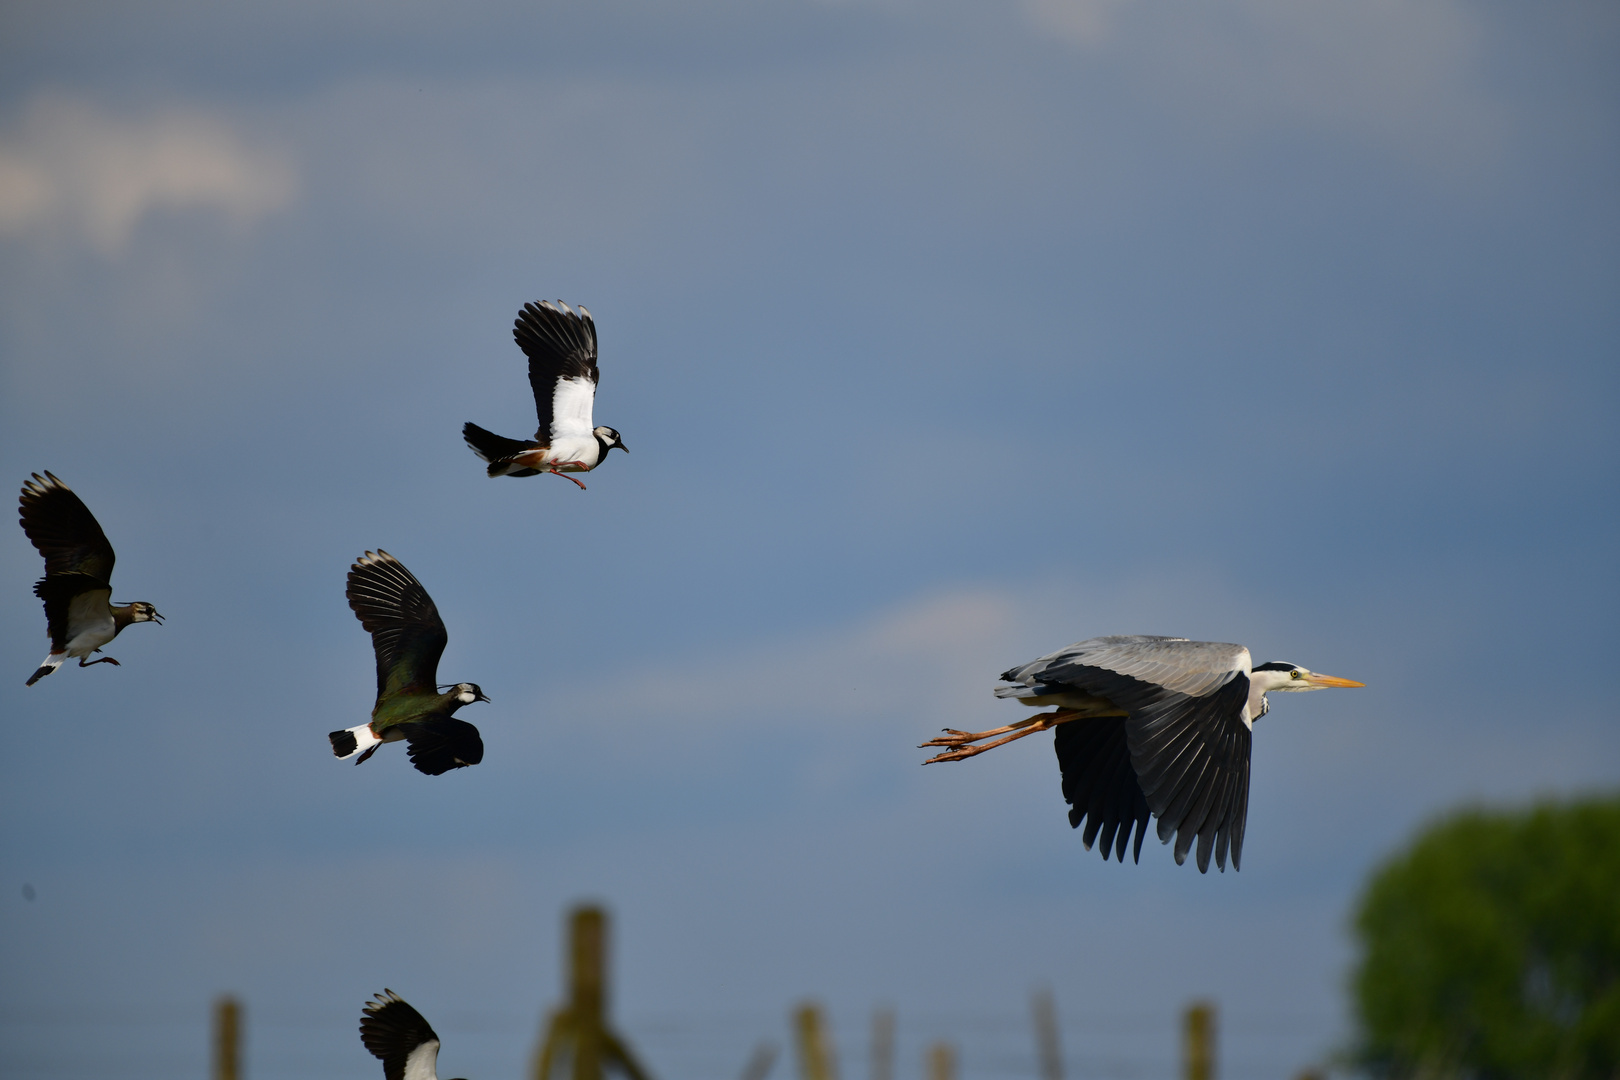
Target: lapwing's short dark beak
{"x": 623, "y": 447}
{"x": 481, "y": 697}
{"x": 156, "y": 617}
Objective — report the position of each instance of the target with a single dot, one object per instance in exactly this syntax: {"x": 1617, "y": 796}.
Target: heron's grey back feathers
{"x": 1194, "y": 668}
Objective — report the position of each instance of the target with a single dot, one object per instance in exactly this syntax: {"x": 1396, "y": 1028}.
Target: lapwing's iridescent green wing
{"x": 64, "y": 530}
{"x": 405, "y": 627}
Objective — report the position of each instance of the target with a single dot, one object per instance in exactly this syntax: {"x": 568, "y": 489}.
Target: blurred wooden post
{"x": 227, "y": 1039}
{"x": 883, "y": 1045}
{"x": 1312, "y": 1074}
{"x": 816, "y": 1060}
{"x": 760, "y": 1062}
{"x": 941, "y": 1061}
{"x": 1047, "y": 1046}
{"x": 1198, "y": 1042}
{"x": 578, "y": 1038}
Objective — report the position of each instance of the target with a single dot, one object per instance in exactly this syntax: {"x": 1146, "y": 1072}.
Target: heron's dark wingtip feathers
{"x": 1100, "y": 785}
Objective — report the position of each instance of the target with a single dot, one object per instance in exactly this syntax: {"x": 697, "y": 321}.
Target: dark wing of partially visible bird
{"x": 561, "y": 347}
{"x": 443, "y": 743}
{"x": 396, "y": 1033}
{"x": 406, "y": 631}
{"x": 64, "y": 530}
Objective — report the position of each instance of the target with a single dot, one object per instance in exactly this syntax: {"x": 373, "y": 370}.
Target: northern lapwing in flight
{"x": 397, "y": 1033}
{"x": 561, "y": 346}
{"x": 79, "y": 612}
{"x": 1147, "y": 727}
{"x": 409, "y": 637}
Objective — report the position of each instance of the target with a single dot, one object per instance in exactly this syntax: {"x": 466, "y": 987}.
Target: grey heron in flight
{"x": 1147, "y": 727}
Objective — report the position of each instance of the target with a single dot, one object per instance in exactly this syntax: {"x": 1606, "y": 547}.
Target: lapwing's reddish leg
{"x": 564, "y": 475}
{"x": 103, "y": 660}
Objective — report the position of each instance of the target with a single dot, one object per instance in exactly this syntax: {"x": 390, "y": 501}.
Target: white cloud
{"x": 1084, "y": 22}
{"x": 74, "y": 171}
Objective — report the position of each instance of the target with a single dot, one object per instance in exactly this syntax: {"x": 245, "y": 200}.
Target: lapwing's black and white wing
{"x": 561, "y": 346}
{"x": 396, "y": 1033}
{"x": 78, "y": 558}
{"x": 1181, "y": 753}
{"x": 406, "y": 631}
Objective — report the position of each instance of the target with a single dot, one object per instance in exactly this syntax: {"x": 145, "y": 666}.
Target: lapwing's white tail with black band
{"x": 48, "y": 665}
{"x": 356, "y": 740}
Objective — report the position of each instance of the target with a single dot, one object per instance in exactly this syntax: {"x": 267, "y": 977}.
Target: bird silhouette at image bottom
{"x": 397, "y": 1034}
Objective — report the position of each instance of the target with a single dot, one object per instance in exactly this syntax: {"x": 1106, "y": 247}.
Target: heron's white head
{"x": 1289, "y": 678}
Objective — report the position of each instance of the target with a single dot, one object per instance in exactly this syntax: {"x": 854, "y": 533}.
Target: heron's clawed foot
{"x": 959, "y": 741}
{"x": 952, "y": 737}
{"x": 961, "y": 753}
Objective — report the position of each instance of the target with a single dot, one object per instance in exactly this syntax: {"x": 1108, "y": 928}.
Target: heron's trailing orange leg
{"x": 960, "y": 740}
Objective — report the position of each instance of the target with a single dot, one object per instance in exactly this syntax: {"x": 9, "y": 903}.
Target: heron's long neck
{"x": 1260, "y": 682}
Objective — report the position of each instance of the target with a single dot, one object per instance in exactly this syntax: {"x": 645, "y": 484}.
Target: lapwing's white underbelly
{"x": 583, "y": 449}
{"x": 90, "y": 624}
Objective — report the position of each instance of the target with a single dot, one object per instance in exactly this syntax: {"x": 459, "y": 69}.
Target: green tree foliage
{"x": 1491, "y": 948}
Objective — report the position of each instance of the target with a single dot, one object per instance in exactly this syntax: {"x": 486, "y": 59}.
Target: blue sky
{"x": 942, "y": 335}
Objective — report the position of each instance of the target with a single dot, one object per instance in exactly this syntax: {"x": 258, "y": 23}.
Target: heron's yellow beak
{"x": 1330, "y": 680}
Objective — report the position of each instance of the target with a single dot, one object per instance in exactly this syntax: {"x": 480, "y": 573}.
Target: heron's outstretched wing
{"x": 443, "y": 743}
{"x": 396, "y": 1033}
{"x": 561, "y": 347}
{"x": 64, "y": 530}
{"x": 1188, "y": 743}
{"x": 406, "y": 631}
